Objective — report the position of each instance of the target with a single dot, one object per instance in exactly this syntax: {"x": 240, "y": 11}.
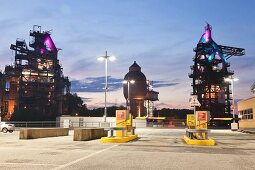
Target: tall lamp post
{"x": 231, "y": 80}
{"x": 128, "y": 82}
{"x": 105, "y": 59}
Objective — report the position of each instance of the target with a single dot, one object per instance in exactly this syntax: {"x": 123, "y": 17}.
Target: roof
{"x": 246, "y": 99}
{"x": 135, "y": 67}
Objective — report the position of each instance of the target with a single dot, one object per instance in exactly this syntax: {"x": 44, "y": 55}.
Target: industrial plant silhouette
{"x": 210, "y": 68}
{"x": 36, "y": 84}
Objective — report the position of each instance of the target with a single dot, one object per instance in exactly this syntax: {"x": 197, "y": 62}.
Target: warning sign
{"x": 190, "y": 120}
{"x": 193, "y": 101}
{"x": 201, "y": 119}
{"x": 120, "y": 114}
{"x": 120, "y": 118}
{"x": 202, "y": 116}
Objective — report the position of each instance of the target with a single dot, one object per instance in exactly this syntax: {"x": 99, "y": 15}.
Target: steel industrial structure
{"x": 35, "y": 81}
{"x": 210, "y": 68}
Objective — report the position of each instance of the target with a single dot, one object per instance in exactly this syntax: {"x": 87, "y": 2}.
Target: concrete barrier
{"x": 83, "y": 134}
{"x": 34, "y": 133}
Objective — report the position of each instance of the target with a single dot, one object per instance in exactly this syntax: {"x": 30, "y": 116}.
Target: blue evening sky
{"x": 159, "y": 34}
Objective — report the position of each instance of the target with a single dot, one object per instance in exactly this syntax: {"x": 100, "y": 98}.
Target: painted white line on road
{"x": 27, "y": 164}
{"x": 24, "y": 148}
{"x": 83, "y": 158}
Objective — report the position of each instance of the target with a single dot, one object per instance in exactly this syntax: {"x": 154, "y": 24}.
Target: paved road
{"x": 155, "y": 149}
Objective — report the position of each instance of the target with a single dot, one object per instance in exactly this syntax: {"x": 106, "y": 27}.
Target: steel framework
{"x": 210, "y": 68}
{"x": 36, "y": 79}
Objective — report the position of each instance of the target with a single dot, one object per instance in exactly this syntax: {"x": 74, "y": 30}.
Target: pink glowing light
{"x": 42, "y": 50}
{"x": 207, "y": 34}
{"x": 49, "y": 43}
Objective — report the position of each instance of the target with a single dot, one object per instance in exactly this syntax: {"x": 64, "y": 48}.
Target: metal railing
{"x": 41, "y": 124}
{"x": 52, "y": 124}
{"x": 48, "y": 124}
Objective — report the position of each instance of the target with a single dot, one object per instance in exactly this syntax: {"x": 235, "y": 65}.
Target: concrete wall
{"x": 140, "y": 123}
{"x": 83, "y": 134}
{"x": 33, "y": 133}
{"x": 77, "y": 121}
{"x": 243, "y": 105}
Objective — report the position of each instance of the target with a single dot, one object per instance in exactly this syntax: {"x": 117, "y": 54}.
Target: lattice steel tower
{"x": 36, "y": 80}
{"x": 210, "y": 68}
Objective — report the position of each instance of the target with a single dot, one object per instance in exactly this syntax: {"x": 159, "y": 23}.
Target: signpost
{"x": 201, "y": 119}
{"x": 120, "y": 118}
{"x": 120, "y": 121}
{"x": 193, "y": 102}
{"x": 190, "y": 120}
{"x": 197, "y": 133}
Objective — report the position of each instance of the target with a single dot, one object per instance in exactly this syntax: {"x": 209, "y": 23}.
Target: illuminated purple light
{"x": 42, "y": 50}
{"x": 207, "y": 34}
{"x": 49, "y": 43}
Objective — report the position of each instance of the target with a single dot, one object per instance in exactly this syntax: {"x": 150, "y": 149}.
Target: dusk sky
{"x": 158, "y": 34}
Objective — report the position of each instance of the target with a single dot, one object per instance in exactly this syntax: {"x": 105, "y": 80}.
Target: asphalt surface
{"x": 155, "y": 149}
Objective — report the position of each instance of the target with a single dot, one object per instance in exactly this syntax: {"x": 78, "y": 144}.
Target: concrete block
{"x": 234, "y": 126}
{"x": 34, "y": 133}
{"x": 105, "y": 124}
{"x": 203, "y": 142}
{"x": 83, "y": 134}
{"x": 118, "y": 139}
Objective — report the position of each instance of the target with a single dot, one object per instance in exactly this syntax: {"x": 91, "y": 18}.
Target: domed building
{"x": 140, "y": 94}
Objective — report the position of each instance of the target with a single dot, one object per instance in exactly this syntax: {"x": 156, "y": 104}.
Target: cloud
{"x": 243, "y": 62}
{"x": 86, "y": 99}
{"x": 157, "y": 84}
{"x": 96, "y": 84}
{"x": 162, "y": 105}
{"x": 10, "y": 23}
{"x": 81, "y": 65}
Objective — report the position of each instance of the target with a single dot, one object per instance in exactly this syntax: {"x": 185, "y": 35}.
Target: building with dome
{"x": 140, "y": 92}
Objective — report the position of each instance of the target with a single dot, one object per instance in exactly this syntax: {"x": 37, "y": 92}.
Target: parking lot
{"x": 155, "y": 149}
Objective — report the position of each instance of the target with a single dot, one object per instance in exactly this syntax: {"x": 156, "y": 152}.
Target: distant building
{"x": 246, "y": 110}
{"x": 140, "y": 93}
{"x": 35, "y": 81}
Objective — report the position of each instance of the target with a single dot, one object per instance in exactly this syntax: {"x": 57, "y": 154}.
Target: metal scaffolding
{"x": 36, "y": 79}
{"x": 210, "y": 68}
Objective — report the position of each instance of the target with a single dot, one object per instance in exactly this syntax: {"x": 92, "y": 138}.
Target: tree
{"x": 172, "y": 113}
{"x": 73, "y": 104}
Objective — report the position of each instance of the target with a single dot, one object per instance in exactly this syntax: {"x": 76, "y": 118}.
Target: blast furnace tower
{"x": 35, "y": 81}
{"x": 210, "y": 68}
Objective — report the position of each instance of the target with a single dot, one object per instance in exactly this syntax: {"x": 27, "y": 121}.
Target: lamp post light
{"x": 128, "y": 82}
{"x": 105, "y": 59}
{"x": 253, "y": 88}
{"x": 231, "y": 80}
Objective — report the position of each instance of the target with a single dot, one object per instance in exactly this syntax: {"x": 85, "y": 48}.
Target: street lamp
{"x": 128, "y": 82}
{"x": 231, "y": 80}
{"x": 105, "y": 58}
{"x": 253, "y": 87}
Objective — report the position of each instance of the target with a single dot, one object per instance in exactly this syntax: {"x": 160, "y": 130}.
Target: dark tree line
{"x": 73, "y": 105}
{"x": 76, "y": 106}
{"x": 172, "y": 113}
